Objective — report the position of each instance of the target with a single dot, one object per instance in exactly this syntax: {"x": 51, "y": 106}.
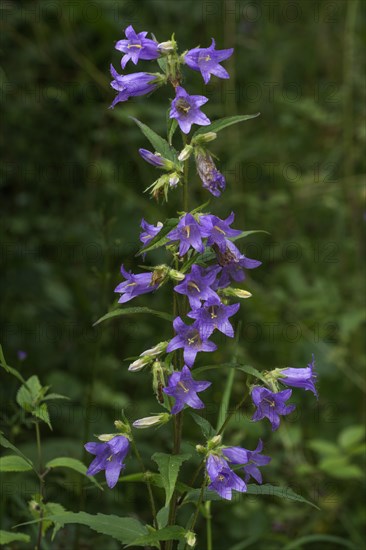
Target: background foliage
{"x": 71, "y": 186}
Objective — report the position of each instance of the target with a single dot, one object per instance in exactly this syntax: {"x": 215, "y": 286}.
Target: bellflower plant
{"x": 202, "y": 266}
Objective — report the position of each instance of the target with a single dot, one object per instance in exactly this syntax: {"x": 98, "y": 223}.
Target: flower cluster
{"x": 205, "y": 265}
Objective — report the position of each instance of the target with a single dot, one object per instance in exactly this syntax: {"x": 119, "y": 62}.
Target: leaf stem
{"x": 148, "y": 484}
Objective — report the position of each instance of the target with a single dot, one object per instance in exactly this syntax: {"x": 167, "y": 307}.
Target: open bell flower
{"x": 271, "y": 405}
{"x": 300, "y": 378}
{"x": 186, "y": 110}
{"x": 184, "y": 389}
{"x": 133, "y": 85}
{"x": 109, "y": 457}
{"x": 136, "y": 46}
{"x": 189, "y": 338}
{"x": 207, "y": 61}
{"x": 135, "y": 285}
{"x": 223, "y": 479}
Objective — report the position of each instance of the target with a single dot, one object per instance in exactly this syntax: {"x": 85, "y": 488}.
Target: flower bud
{"x": 156, "y": 350}
{"x": 167, "y": 47}
{"x": 214, "y": 442}
{"x": 201, "y": 449}
{"x": 176, "y": 275}
{"x": 149, "y": 421}
{"x": 204, "y": 138}
{"x": 123, "y": 428}
{"x": 174, "y": 179}
{"x": 236, "y": 292}
{"x": 190, "y": 538}
{"x": 185, "y": 153}
{"x": 139, "y": 364}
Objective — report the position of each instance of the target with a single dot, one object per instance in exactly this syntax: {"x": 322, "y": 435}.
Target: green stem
{"x": 208, "y": 525}
{"x": 229, "y": 417}
{"x": 41, "y": 485}
{"x": 148, "y": 484}
{"x": 199, "y": 502}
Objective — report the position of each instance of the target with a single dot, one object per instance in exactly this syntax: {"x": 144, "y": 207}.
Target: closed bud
{"x": 190, "y": 538}
{"x": 176, "y": 275}
{"x": 204, "y": 138}
{"x": 185, "y": 153}
{"x": 149, "y": 421}
{"x": 236, "y": 292}
{"x": 106, "y": 437}
{"x": 201, "y": 449}
{"x": 123, "y": 428}
{"x": 139, "y": 364}
{"x": 214, "y": 442}
{"x": 156, "y": 350}
{"x": 167, "y": 47}
{"x": 174, "y": 179}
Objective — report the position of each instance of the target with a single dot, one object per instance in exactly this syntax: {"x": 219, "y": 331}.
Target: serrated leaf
{"x": 169, "y": 466}
{"x": 173, "y": 532}
{"x": 6, "y": 537}
{"x": 351, "y": 436}
{"x": 51, "y": 396}
{"x": 5, "y": 443}
{"x": 208, "y": 430}
{"x": 160, "y": 239}
{"x": 73, "y": 464}
{"x": 30, "y": 393}
{"x": 125, "y": 530}
{"x": 222, "y": 123}
{"x": 14, "y": 463}
{"x": 253, "y": 489}
{"x": 160, "y": 144}
{"x": 132, "y": 311}
{"x": 41, "y": 412}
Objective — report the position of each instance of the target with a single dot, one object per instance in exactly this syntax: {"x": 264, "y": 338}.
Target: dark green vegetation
{"x": 71, "y": 202}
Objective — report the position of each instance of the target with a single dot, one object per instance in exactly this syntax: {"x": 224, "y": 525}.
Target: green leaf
{"x": 6, "y": 537}
{"x": 222, "y": 123}
{"x": 172, "y": 126}
{"x": 173, "y": 532}
{"x": 30, "y": 393}
{"x": 208, "y": 430}
{"x": 125, "y": 530}
{"x": 73, "y": 464}
{"x": 225, "y": 401}
{"x": 323, "y": 447}
{"x": 133, "y": 311}
{"x": 41, "y": 412}
{"x": 162, "y": 517}
{"x": 51, "y": 396}
{"x": 14, "y": 463}
{"x": 160, "y": 239}
{"x": 5, "y": 443}
{"x": 339, "y": 468}
{"x": 298, "y": 543}
{"x": 160, "y": 145}
{"x": 169, "y": 466}
{"x": 253, "y": 489}
{"x": 351, "y": 436}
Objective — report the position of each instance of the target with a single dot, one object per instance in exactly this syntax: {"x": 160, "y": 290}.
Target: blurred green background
{"x": 71, "y": 204}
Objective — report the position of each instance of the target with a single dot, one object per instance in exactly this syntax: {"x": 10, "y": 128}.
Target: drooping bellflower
{"x": 223, "y": 479}
{"x": 109, "y": 457}
{"x": 211, "y": 178}
{"x": 136, "y": 46}
{"x": 300, "y": 378}
{"x": 132, "y": 85}
{"x": 184, "y": 389}
{"x": 189, "y": 338}
{"x": 249, "y": 459}
{"x": 271, "y": 405}
{"x": 206, "y": 60}
{"x": 186, "y": 110}
{"x": 149, "y": 231}
{"x": 134, "y": 285}
{"x": 233, "y": 264}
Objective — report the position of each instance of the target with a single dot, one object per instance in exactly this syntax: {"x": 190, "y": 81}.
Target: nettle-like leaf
{"x": 14, "y": 463}
{"x": 125, "y": 530}
{"x": 133, "y": 311}
{"x": 208, "y": 431}
{"x": 29, "y": 394}
{"x": 5, "y": 443}
{"x": 222, "y": 123}
{"x": 72, "y": 464}
{"x": 160, "y": 144}
{"x": 169, "y": 466}
{"x": 6, "y": 537}
{"x": 8, "y": 368}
